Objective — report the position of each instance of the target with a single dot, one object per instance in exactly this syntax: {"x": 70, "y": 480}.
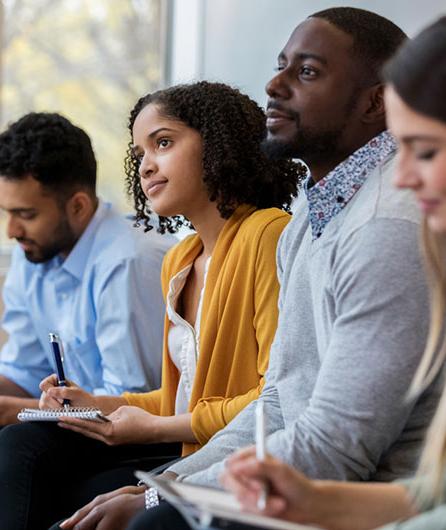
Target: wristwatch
{"x": 151, "y": 497}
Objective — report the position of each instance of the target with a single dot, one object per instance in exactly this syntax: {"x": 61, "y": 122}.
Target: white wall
{"x": 237, "y": 41}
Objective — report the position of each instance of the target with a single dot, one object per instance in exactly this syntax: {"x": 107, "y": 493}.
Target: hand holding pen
{"x": 57, "y": 348}
{"x": 53, "y": 395}
{"x": 290, "y": 495}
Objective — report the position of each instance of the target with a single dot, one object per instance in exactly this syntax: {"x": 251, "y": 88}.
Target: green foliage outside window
{"x": 90, "y": 60}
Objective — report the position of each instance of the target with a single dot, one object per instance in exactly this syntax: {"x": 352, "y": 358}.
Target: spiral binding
{"x": 85, "y": 413}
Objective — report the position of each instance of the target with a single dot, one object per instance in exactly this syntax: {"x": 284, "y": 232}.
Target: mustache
{"x": 272, "y": 104}
{"x": 24, "y": 240}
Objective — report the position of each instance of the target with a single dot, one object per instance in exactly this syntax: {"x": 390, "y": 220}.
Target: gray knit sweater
{"x": 352, "y": 328}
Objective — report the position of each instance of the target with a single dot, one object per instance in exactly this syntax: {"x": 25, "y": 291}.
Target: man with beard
{"x": 353, "y": 300}
{"x": 80, "y": 270}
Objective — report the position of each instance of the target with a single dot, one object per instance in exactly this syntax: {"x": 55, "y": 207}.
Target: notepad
{"x": 197, "y": 503}
{"x": 83, "y": 413}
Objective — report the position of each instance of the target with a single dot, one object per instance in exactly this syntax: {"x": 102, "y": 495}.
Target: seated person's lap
{"x": 43, "y": 451}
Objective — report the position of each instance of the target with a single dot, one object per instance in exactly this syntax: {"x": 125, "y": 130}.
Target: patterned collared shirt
{"x": 332, "y": 193}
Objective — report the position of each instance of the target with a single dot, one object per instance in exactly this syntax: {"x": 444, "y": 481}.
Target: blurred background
{"x": 92, "y": 59}
{"x": 87, "y": 59}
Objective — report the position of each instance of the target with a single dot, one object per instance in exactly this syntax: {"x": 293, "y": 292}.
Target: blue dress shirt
{"x": 105, "y": 302}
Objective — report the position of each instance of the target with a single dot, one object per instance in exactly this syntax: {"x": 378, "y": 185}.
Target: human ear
{"x": 80, "y": 207}
{"x": 374, "y": 108}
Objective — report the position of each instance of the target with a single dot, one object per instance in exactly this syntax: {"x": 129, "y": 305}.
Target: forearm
{"x": 204, "y": 466}
{"x": 9, "y": 388}
{"x": 175, "y": 428}
{"x": 108, "y": 404}
{"x": 13, "y": 398}
{"x": 216, "y": 450}
{"x": 10, "y": 406}
{"x": 354, "y": 506}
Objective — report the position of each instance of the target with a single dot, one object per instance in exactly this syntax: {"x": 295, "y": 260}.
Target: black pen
{"x": 56, "y": 344}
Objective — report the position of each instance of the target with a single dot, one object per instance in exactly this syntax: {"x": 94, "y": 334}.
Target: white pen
{"x": 260, "y": 448}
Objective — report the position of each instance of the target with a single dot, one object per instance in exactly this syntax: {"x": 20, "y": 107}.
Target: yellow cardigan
{"x": 238, "y": 322}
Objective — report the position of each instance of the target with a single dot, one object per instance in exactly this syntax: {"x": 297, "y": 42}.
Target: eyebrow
{"x": 419, "y": 137}
{"x": 304, "y": 55}
{"x": 134, "y": 147}
{"x": 19, "y": 210}
{"x": 156, "y": 131}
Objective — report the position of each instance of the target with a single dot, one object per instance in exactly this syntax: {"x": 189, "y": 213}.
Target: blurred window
{"x": 90, "y": 60}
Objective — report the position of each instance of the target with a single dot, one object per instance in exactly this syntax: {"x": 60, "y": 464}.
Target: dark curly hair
{"x": 51, "y": 149}
{"x": 236, "y": 171}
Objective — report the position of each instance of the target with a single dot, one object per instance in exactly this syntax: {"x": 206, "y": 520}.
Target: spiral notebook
{"x": 83, "y": 413}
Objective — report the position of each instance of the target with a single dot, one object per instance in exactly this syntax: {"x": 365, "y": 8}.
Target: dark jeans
{"x": 166, "y": 517}
{"x": 163, "y": 517}
{"x": 46, "y": 473}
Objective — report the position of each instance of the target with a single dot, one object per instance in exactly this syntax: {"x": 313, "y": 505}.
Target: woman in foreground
{"x": 416, "y": 109}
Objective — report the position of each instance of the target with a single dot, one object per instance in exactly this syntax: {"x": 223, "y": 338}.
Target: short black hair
{"x": 52, "y": 150}
{"x": 236, "y": 170}
{"x": 418, "y": 71}
{"x": 375, "y": 38}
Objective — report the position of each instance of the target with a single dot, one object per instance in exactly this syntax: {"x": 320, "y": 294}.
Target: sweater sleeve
{"x": 213, "y": 413}
{"x": 357, "y": 408}
{"x": 149, "y": 401}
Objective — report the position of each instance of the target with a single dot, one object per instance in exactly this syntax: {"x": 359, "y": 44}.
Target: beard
{"x": 63, "y": 240}
{"x": 312, "y": 145}
{"x": 308, "y": 144}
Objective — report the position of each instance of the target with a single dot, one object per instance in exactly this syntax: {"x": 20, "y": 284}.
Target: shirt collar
{"x": 75, "y": 262}
{"x": 331, "y": 194}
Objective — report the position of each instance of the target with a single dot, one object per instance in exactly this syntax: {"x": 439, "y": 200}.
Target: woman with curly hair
{"x": 195, "y": 158}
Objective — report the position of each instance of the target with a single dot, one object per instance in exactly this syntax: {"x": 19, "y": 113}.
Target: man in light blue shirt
{"x": 81, "y": 270}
